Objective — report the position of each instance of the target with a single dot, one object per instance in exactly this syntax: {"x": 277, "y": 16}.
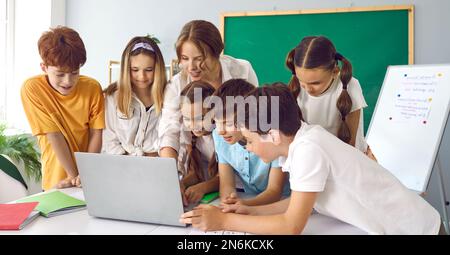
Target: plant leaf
{"x": 22, "y": 149}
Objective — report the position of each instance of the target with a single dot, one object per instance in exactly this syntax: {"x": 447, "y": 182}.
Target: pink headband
{"x": 143, "y": 45}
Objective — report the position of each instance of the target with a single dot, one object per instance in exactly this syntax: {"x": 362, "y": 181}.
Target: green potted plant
{"x": 20, "y": 149}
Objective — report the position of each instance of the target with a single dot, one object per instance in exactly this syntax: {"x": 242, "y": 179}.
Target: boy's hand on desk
{"x": 76, "y": 182}
{"x": 235, "y": 208}
{"x": 194, "y": 193}
{"x": 66, "y": 183}
{"x": 233, "y": 204}
{"x": 231, "y": 199}
{"x": 204, "y": 217}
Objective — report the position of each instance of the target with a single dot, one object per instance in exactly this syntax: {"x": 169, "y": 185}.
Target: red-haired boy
{"x": 65, "y": 109}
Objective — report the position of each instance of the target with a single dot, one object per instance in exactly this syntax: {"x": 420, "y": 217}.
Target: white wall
{"x": 107, "y": 25}
{"x": 58, "y": 12}
{"x": 117, "y": 21}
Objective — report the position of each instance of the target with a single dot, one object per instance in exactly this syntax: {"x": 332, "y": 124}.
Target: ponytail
{"x": 294, "y": 84}
{"x": 346, "y": 70}
{"x": 344, "y": 102}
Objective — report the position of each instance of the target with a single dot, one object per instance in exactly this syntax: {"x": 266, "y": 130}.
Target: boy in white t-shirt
{"x": 326, "y": 174}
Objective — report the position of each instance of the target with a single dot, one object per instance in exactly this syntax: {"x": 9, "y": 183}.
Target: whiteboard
{"x": 409, "y": 120}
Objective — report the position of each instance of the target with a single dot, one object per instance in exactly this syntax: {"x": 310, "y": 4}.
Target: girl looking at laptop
{"x": 201, "y": 175}
{"x": 134, "y": 102}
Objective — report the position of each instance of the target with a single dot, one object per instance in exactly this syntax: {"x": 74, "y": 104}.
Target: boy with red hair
{"x": 65, "y": 109}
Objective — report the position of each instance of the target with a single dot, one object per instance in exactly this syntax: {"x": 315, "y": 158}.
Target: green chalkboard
{"x": 371, "y": 38}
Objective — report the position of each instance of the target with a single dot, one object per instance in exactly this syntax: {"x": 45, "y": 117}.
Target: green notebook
{"x": 55, "y": 203}
{"x": 208, "y": 198}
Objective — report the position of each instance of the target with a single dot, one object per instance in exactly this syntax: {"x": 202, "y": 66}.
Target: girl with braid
{"x": 201, "y": 176}
{"x": 326, "y": 91}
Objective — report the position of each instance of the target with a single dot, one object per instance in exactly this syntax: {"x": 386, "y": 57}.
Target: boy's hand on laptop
{"x": 194, "y": 193}
{"x": 205, "y": 218}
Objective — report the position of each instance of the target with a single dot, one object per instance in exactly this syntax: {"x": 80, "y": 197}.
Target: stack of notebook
{"x": 16, "y": 216}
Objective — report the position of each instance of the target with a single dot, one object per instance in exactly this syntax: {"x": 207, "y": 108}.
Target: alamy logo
{"x": 259, "y": 114}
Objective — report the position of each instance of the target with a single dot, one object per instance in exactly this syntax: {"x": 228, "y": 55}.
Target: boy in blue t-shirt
{"x": 265, "y": 182}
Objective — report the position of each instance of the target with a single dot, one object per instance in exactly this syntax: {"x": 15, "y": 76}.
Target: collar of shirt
{"x": 226, "y": 75}
{"x": 139, "y": 102}
{"x": 282, "y": 163}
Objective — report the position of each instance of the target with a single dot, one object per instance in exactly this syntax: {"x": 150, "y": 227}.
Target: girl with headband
{"x": 134, "y": 102}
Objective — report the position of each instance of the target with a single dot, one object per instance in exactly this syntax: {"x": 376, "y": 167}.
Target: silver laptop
{"x": 141, "y": 189}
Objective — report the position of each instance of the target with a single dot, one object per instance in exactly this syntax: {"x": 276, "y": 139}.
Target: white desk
{"x": 81, "y": 223}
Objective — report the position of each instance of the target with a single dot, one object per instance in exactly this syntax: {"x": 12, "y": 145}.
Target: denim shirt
{"x": 252, "y": 171}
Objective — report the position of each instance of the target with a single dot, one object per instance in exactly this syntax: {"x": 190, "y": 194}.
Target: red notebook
{"x": 17, "y": 216}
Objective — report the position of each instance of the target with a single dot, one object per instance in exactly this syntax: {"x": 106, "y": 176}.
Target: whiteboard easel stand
{"x": 444, "y": 201}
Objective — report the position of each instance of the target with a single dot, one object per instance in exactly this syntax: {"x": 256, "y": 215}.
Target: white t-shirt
{"x": 354, "y": 188}
{"x": 322, "y": 110}
{"x": 135, "y": 135}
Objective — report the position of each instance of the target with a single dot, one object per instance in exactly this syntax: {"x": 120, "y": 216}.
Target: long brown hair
{"x": 204, "y": 35}
{"x": 123, "y": 85}
{"x": 207, "y": 90}
{"x": 319, "y": 52}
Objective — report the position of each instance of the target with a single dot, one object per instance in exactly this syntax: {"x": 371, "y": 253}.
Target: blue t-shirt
{"x": 252, "y": 171}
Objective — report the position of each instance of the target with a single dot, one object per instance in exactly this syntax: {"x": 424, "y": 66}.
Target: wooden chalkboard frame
{"x": 409, "y": 8}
